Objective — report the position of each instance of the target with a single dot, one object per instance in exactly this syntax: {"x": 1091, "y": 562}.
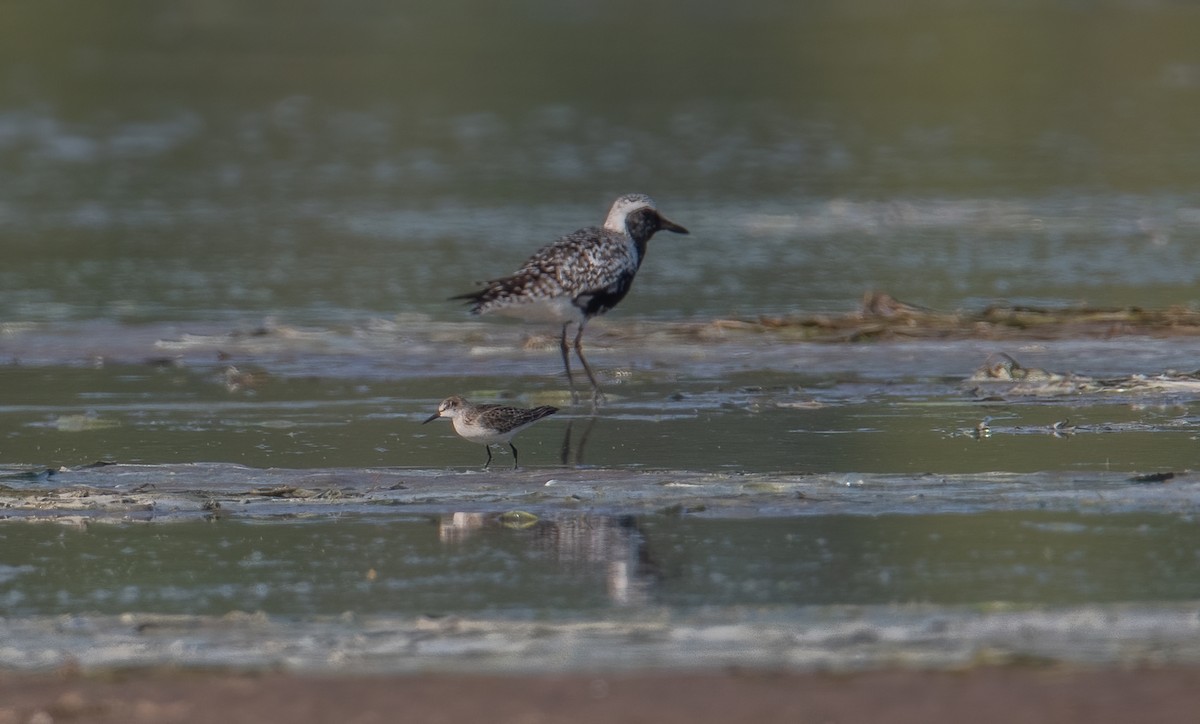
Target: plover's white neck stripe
{"x": 618, "y": 215}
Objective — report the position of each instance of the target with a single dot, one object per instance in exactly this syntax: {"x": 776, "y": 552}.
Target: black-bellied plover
{"x": 581, "y": 275}
{"x": 489, "y": 424}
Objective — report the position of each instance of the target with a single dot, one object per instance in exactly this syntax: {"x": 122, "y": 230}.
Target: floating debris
{"x": 881, "y": 316}
{"x": 517, "y": 519}
{"x": 97, "y": 464}
{"x": 1062, "y": 428}
{"x": 83, "y": 423}
{"x": 1001, "y": 373}
{"x": 1152, "y": 478}
{"x": 882, "y": 304}
{"x": 286, "y": 491}
{"x": 40, "y": 475}
{"x": 982, "y": 429}
{"x": 237, "y": 380}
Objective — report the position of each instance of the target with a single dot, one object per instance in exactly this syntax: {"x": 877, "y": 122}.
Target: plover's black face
{"x": 637, "y": 215}
{"x": 644, "y": 222}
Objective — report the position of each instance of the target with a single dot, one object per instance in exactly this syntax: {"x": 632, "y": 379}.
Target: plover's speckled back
{"x": 489, "y": 424}
{"x": 581, "y": 275}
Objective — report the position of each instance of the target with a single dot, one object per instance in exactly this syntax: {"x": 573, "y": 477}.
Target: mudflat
{"x": 979, "y": 695}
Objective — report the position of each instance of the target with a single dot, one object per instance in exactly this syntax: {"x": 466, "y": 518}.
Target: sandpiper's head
{"x": 451, "y": 407}
{"x": 636, "y": 215}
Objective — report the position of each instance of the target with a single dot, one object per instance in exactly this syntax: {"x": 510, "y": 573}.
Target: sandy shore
{"x": 980, "y": 695}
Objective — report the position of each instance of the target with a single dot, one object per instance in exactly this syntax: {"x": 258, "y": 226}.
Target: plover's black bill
{"x": 667, "y": 225}
{"x": 433, "y": 417}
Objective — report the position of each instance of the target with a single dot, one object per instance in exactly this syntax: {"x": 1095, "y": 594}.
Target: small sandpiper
{"x": 489, "y": 424}
{"x": 581, "y": 275}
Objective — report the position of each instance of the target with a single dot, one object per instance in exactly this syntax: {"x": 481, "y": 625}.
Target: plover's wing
{"x": 588, "y": 261}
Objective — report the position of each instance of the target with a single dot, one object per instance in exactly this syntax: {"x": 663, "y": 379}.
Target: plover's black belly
{"x": 600, "y": 302}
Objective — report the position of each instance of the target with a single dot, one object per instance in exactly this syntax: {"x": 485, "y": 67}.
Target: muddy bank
{"x": 882, "y": 317}
{"x": 214, "y": 491}
{"x": 984, "y": 695}
{"x": 406, "y": 344}
{"x": 810, "y": 639}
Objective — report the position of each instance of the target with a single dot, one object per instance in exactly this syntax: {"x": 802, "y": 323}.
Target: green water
{"x": 792, "y": 423}
{"x": 591, "y": 566}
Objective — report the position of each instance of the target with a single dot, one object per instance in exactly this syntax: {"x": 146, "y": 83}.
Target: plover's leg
{"x": 489, "y": 452}
{"x": 565, "y": 452}
{"x": 514, "y": 449}
{"x": 597, "y": 395}
{"x": 566, "y": 355}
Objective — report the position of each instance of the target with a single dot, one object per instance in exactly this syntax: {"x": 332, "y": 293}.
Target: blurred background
{"x": 330, "y": 162}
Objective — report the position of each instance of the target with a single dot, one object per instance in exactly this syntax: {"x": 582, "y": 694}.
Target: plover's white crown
{"x": 623, "y": 207}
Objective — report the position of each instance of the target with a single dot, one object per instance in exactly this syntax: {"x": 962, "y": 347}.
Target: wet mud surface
{"x": 165, "y": 493}
{"x": 982, "y": 695}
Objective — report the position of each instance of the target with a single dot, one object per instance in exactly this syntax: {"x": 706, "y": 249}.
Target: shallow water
{"x": 402, "y": 570}
{"x": 281, "y": 504}
{"x": 754, "y": 405}
{"x": 757, "y": 404}
{"x": 574, "y": 566}
{"x": 228, "y": 237}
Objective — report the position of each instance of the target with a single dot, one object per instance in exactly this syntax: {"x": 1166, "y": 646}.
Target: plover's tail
{"x": 500, "y": 293}
{"x": 494, "y": 295}
{"x": 475, "y": 299}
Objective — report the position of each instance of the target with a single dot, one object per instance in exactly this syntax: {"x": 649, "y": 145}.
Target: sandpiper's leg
{"x": 566, "y": 355}
{"x": 514, "y": 449}
{"x": 564, "y": 453}
{"x": 597, "y": 395}
{"x": 489, "y": 452}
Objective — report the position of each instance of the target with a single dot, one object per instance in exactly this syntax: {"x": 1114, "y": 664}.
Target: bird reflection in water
{"x": 565, "y": 454}
{"x": 583, "y": 544}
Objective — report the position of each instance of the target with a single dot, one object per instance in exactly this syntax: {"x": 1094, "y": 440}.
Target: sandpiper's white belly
{"x": 481, "y": 433}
